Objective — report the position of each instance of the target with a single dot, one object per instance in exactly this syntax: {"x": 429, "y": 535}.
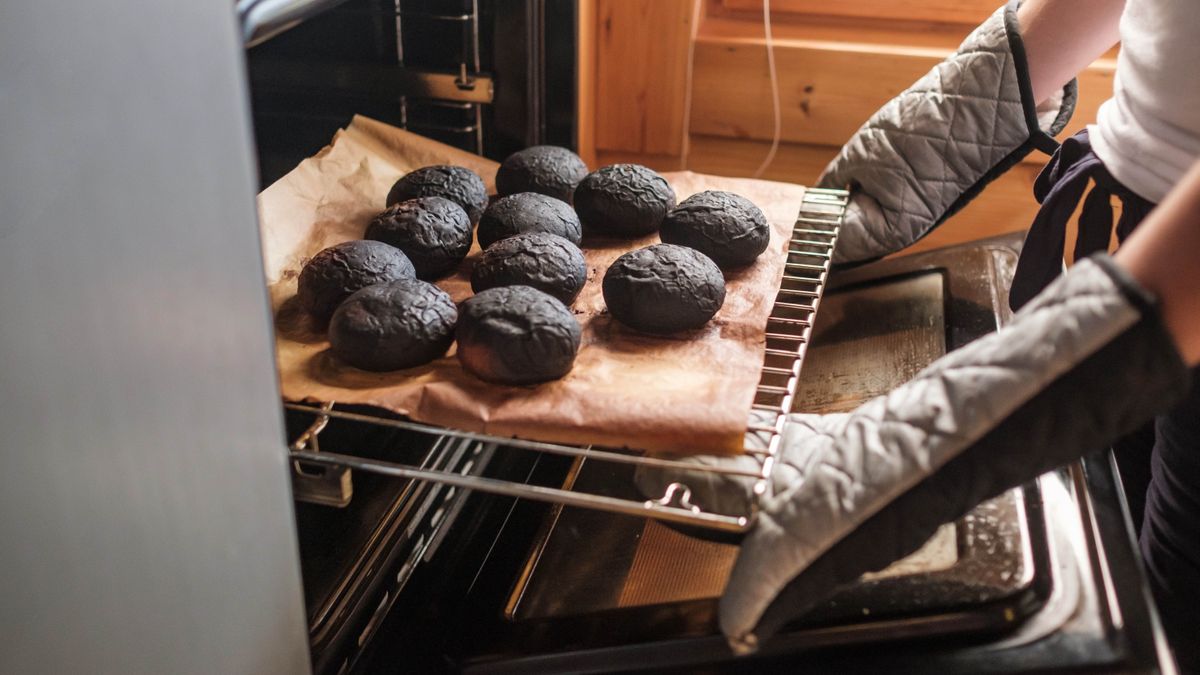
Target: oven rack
{"x": 789, "y": 328}
{"x": 464, "y": 90}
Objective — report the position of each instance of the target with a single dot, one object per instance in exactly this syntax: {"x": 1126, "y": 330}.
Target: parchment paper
{"x": 688, "y": 393}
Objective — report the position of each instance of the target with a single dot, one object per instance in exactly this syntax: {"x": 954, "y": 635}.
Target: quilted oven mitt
{"x": 926, "y": 153}
{"x": 1086, "y": 361}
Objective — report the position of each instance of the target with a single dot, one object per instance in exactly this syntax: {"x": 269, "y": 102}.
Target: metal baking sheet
{"x": 868, "y": 338}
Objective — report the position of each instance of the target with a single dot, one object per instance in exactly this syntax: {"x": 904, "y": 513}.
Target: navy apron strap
{"x": 1134, "y": 208}
{"x": 1095, "y": 223}
{"x": 1060, "y": 162}
{"x": 1041, "y": 255}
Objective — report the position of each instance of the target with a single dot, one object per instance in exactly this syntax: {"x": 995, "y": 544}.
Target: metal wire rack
{"x": 789, "y": 328}
{"x": 469, "y": 74}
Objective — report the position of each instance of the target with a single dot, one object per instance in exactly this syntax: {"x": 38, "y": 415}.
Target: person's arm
{"x": 1098, "y": 353}
{"x": 916, "y": 162}
{"x": 1162, "y": 255}
{"x": 1090, "y": 358}
{"x": 1063, "y": 36}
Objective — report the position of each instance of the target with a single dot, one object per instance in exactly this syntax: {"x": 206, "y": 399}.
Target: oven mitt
{"x": 1085, "y": 362}
{"x": 926, "y": 153}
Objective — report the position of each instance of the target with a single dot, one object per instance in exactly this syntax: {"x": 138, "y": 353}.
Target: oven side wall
{"x": 146, "y": 521}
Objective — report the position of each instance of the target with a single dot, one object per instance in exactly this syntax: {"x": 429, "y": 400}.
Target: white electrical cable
{"x": 686, "y": 143}
{"x": 774, "y": 91}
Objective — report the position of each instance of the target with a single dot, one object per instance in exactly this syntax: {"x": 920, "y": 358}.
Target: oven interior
{"x": 487, "y": 76}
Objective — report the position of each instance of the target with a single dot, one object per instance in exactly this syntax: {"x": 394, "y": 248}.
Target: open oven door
{"x": 144, "y": 504}
{"x": 1042, "y": 577}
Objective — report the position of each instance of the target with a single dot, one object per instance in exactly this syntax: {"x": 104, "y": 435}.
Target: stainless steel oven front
{"x": 147, "y": 516}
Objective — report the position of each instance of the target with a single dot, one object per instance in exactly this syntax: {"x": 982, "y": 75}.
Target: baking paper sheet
{"x": 687, "y": 393}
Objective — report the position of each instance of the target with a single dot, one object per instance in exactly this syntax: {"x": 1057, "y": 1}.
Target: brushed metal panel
{"x": 871, "y": 340}
{"x": 145, "y": 513}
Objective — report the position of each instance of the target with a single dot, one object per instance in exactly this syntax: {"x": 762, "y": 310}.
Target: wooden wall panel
{"x": 585, "y": 91}
{"x": 838, "y": 62}
{"x": 827, "y": 90}
{"x": 971, "y": 12}
{"x": 793, "y": 163}
{"x": 641, "y": 61}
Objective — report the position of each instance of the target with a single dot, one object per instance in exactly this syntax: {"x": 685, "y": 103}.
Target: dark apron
{"x": 1159, "y": 465}
{"x": 1058, "y": 189}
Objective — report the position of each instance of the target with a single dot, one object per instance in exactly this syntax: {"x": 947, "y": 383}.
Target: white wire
{"x": 686, "y": 145}
{"x": 774, "y": 91}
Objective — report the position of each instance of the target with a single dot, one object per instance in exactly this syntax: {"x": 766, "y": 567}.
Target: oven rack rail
{"x": 789, "y": 328}
{"x": 465, "y": 90}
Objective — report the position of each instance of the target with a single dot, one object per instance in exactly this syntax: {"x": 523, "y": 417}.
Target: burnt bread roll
{"x": 664, "y": 289}
{"x": 340, "y": 270}
{"x": 461, "y": 186}
{"x": 724, "y": 226}
{"x": 517, "y": 335}
{"x": 396, "y": 325}
{"x": 528, "y": 212}
{"x": 623, "y": 200}
{"x": 544, "y": 169}
{"x": 433, "y": 232}
{"x": 543, "y": 261}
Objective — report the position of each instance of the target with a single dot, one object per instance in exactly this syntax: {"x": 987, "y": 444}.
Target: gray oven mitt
{"x": 1086, "y": 361}
{"x": 926, "y": 153}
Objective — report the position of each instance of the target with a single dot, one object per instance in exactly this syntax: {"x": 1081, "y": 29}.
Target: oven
{"x": 1041, "y": 578}
{"x": 164, "y": 512}
{"x": 406, "y": 574}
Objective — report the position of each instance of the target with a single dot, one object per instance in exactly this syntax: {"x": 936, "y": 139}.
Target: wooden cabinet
{"x": 837, "y": 62}
{"x": 971, "y": 12}
{"x": 640, "y": 79}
